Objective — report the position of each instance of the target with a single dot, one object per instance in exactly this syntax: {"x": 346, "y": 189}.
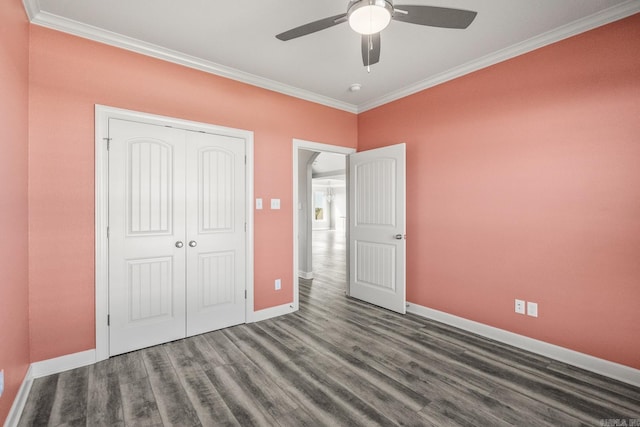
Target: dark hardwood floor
{"x": 336, "y": 362}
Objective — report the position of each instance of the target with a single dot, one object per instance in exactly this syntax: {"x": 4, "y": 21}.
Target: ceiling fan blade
{"x": 433, "y": 16}
{"x": 370, "y": 49}
{"x": 312, "y": 27}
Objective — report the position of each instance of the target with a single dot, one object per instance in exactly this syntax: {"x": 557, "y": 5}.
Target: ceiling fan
{"x": 369, "y": 17}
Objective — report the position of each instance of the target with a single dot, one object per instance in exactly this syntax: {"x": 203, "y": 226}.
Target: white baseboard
{"x": 305, "y": 274}
{"x": 269, "y": 313}
{"x": 63, "y": 363}
{"x": 594, "y": 364}
{"x": 42, "y": 369}
{"x": 21, "y": 399}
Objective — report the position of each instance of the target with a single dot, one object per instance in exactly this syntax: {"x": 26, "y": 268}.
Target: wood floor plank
{"x": 529, "y": 407}
{"x": 377, "y": 392}
{"x": 588, "y": 409}
{"x": 139, "y": 405}
{"x": 299, "y": 418}
{"x": 310, "y": 383}
{"x": 129, "y": 367}
{"x": 606, "y": 388}
{"x": 452, "y": 411}
{"x": 202, "y": 352}
{"x": 241, "y": 404}
{"x": 337, "y": 361}
{"x": 104, "y": 401}
{"x": 37, "y": 409}
{"x": 262, "y": 390}
{"x": 226, "y": 349}
{"x": 172, "y": 400}
{"x": 345, "y": 358}
{"x": 67, "y": 409}
{"x": 209, "y": 405}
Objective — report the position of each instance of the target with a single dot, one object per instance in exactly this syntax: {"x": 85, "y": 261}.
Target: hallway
{"x": 329, "y": 250}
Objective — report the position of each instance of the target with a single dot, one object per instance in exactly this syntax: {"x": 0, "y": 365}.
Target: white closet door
{"x": 377, "y": 221}
{"x": 146, "y": 222}
{"x": 215, "y": 182}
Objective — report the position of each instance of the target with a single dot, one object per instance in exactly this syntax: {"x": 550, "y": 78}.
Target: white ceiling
{"x": 236, "y": 39}
{"x": 329, "y": 165}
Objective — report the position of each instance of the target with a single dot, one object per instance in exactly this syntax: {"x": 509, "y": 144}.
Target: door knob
{"x": 179, "y": 244}
{"x": 398, "y": 236}
{"x": 193, "y": 243}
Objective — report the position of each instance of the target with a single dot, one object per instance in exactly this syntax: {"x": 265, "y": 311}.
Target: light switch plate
{"x": 278, "y": 284}
{"x": 258, "y": 203}
{"x": 532, "y": 309}
{"x": 275, "y": 203}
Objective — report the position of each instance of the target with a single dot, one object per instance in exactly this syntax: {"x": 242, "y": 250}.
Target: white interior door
{"x": 377, "y": 227}
{"x": 147, "y": 275}
{"x": 216, "y": 232}
{"x": 176, "y": 234}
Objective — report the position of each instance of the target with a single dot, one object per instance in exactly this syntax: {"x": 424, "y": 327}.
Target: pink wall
{"x": 68, "y": 75}
{"x": 524, "y": 182}
{"x": 14, "y": 307}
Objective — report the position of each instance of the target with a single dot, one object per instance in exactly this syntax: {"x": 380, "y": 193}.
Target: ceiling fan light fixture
{"x": 369, "y": 16}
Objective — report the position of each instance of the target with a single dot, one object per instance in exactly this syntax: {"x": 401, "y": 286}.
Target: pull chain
{"x": 369, "y": 45}
{"x": 370, "y": 48}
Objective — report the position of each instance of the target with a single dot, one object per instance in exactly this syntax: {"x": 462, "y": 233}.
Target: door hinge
{"x": 245, "y": 294}
{"x": 108, "y": 142}
{"x": 245, "y": 227}
{"x": 108, "y": 320}
{"x": 107, "y": 231}
{"x": 245, "y": 160}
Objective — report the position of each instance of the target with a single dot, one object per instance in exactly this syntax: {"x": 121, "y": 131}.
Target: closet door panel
{"x": 146, "y": 220}
{"x": 216, "y": 255}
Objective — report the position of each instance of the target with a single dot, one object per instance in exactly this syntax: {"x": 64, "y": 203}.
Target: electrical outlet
{"x": 532, "y": 309}
{"x": 520, "y": 306}
{"x": 275, "y": 203}
{"x": 1, "y": 382}
{"x": 278, "y": 284}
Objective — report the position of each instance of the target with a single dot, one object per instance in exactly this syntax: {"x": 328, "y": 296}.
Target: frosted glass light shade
{"x": 369, "y": 17}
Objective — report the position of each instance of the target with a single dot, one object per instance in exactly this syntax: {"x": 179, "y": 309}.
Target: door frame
{"x": 102, "y": 115}
{"x": 299, "y": 144}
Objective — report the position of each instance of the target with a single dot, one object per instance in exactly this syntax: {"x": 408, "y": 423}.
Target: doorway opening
{"x": 320, "y": 194}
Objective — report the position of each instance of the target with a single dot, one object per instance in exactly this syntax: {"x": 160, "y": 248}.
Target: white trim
{"x": 102, "y": 116}
{"x": 62, "y": 363}
{"x": 100, "y": 35}
{"x": 32, "y": 7}
{"x": 249, "y": 307}
{"x": 300, "y": 144}
{"x": 45, "y": 19}
{"x": 42, "y": 369}
{"x": 604, "y": 367}
{"x": 308, "y": 275}
{"x": 601, "y": 18}
{"x": 20, "y": 400}
{"x": 101, "y": 243}
{"x": 271, "y": 312}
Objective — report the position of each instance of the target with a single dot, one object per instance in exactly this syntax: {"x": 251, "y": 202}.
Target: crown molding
{"x": 32, "y": 7}
{"x": 69, "y": 26}
{"x": 601, "y": 18}
{"x": 90, "y": 32}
